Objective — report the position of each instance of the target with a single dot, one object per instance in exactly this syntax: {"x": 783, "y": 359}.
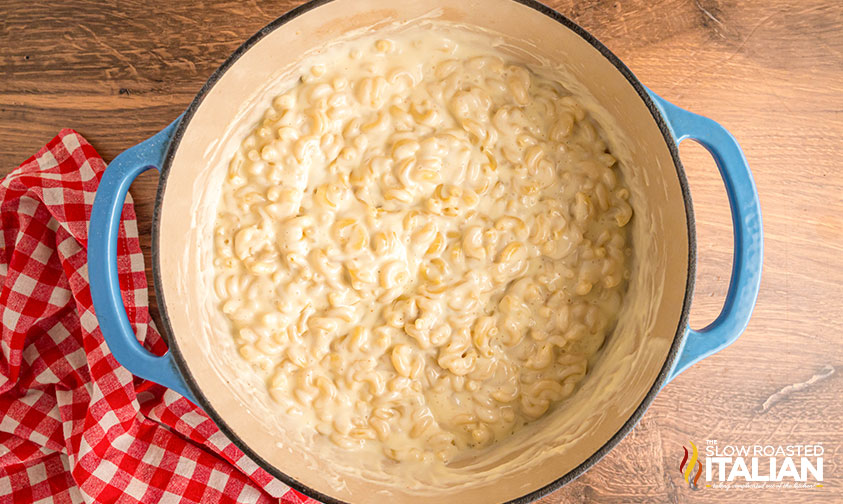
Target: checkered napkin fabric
{"x": 75, "y": 426}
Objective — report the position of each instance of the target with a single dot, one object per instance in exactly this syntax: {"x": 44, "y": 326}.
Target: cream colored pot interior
{"x": 536, "y": 456}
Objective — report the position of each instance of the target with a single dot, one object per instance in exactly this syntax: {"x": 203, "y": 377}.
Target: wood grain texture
{"x": 770, "y": 71}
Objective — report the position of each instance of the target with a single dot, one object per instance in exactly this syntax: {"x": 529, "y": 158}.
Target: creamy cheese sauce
{"x": 422, "y": 246}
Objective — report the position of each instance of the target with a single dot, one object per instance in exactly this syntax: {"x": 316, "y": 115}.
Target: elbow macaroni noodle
{"x": 421, "y": 247}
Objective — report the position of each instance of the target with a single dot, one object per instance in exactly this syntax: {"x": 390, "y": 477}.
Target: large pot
{"x": 651, "y": 345}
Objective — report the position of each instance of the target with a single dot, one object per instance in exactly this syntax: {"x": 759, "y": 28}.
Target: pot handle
{"x": 102, "y": 263}
{"x": 748, "y": 236}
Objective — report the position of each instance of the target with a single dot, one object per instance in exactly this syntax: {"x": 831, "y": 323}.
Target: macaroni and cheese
{"x": 422, "y": 247}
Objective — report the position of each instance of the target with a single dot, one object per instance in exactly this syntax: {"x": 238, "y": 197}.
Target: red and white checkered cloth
{"x": 75, "y": 426}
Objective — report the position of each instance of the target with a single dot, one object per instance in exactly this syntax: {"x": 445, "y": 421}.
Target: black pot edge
{"x": 586, "y": 464}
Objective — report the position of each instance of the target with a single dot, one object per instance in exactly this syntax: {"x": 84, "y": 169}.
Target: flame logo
{"x": 686, "y": 467}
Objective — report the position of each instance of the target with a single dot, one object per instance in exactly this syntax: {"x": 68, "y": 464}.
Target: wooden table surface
{"x": 770, "y": 71}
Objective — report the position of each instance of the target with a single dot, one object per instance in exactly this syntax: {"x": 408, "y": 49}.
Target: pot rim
{"x": 566, "y": 478}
